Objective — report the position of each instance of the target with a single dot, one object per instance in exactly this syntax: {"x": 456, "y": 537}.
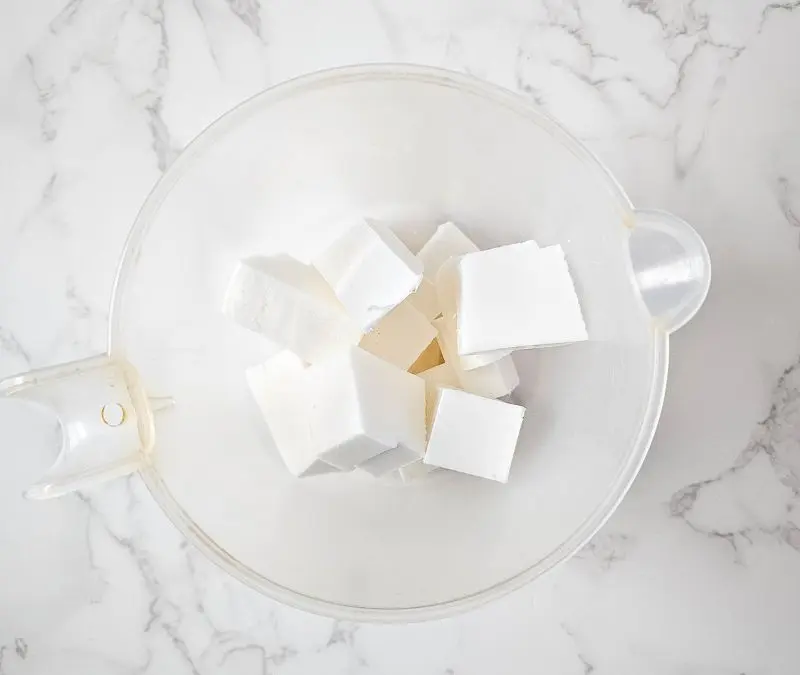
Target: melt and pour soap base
{"x": 474, "y": 435}
{"x": 290, "y": 304}
{"x": 434, "y": 335}
{"x": 362, "y": 406}
{"x": 371, "y": 272}
{"x": 516, "y": 297}
{"x": 279, "y": 388}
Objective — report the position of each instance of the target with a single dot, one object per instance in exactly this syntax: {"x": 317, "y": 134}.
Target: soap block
{"x": 447, "y": 288}
{"x": 447, "y": 242}
{"x": 474, "y": 435}
{"x": 516, "y": 297}
{"x": 279, "y": 388}
{"x": 371, "y": 272}
{"x": 400, "y": 337}
{"x": 363, "y": 406}
{"x": 497, "y": 378}
{"x": 291, "y": 304}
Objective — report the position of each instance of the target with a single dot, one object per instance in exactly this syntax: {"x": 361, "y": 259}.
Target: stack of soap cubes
{"x": 393, "y": 362}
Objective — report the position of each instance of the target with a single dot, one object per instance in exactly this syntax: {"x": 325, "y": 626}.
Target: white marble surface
{"x": 695, "y": 104}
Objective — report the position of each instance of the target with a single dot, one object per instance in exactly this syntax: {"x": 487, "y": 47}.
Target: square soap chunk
{"x": 371, "y": 272}
{"x": 279, "y": 388}
{"x": 474, "y": 435}
{"x": 291, "y": 304}
{"x": 400, "y": 337}
{"x": 362, "y": 407}
{"x": 516, "y": 297}
{"x": 447, "y": 242}
{"x": 493, "y": 380}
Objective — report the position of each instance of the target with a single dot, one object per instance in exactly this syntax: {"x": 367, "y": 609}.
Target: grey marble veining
{"x": 694, "y": 105}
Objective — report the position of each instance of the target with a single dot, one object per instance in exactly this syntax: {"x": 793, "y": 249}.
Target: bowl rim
{"x": 630, "y": 466}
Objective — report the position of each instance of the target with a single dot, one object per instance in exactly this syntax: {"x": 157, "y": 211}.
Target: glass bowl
{"x": 410, "y": 146}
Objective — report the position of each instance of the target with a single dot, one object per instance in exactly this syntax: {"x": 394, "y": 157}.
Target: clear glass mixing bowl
{"x": 414, "y": 147}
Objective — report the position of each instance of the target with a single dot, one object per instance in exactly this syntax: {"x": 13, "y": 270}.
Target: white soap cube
{"x": 474, "y": 435}
{"x": 516, "y": 297}
{"x": 495, "y": 379}
{"x": 291, "y": 304}
{"x": 371, "y": 272}
{"x": 363, "y": 406}
{"x": 400, "y": 337}
{"x": 279, "y": 388}
{"x": 447, "y": 242}
{"x": 447, "y": 288}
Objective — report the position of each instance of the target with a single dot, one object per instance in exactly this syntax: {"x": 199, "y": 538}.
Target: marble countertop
{"x": 694, "y": 104}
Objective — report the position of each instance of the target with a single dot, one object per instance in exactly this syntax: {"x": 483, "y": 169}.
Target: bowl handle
{"x": 106, "y": 420}
{"x": 671, "y": 266}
